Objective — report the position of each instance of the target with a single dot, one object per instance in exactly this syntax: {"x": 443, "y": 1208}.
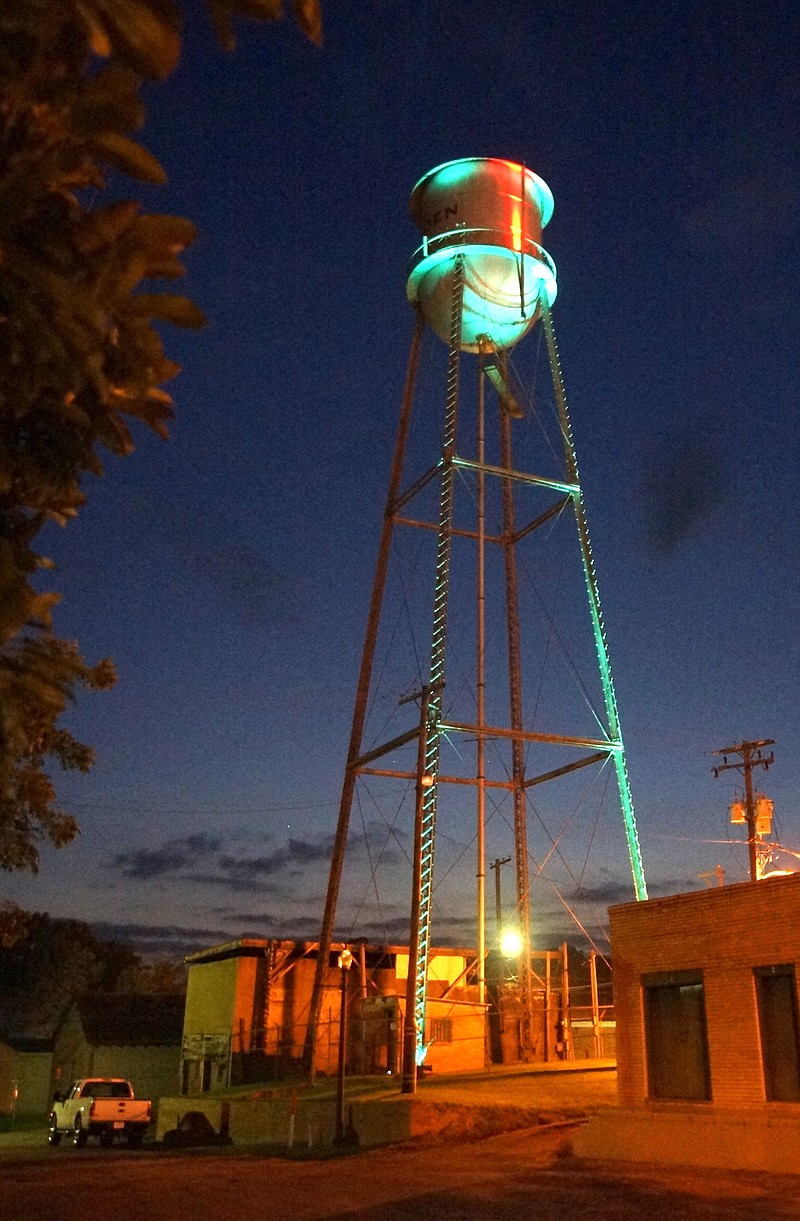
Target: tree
{"x": 47, "y": 963}
{"x": 157, "y": 977}
{"x": 38, "y": 678}
{"x": 80, "y": 351}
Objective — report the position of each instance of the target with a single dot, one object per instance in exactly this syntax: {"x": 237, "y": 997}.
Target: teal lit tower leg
{"x": 615, "y": 743}
{"x": 421, "y": 935}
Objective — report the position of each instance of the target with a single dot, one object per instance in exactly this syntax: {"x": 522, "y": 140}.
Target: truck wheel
{"x": 53, "y": 1134}
{"x": 135, "y": 1139}
{"x": 106, "y": 1139}
{"x": 78, "y": 1134}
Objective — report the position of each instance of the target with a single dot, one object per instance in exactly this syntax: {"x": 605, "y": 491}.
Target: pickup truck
{"x": 99, "y": 1106}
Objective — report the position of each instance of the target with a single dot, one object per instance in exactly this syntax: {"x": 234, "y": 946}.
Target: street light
{"x": 510, "y": 951}
{"x": 345, "y": 961}
{"x": 510, "y": 943}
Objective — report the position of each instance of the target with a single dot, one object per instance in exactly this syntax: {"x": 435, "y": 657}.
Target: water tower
{"x": 480, "y": 280}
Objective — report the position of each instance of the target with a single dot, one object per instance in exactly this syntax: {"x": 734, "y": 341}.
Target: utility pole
{"x": 498, "y": 902}
{"x": 750, "y": 756}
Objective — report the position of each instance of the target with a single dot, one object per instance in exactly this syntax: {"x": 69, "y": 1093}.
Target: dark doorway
{"x": 675, "y": 1033}
{"x": 776, "y": 991}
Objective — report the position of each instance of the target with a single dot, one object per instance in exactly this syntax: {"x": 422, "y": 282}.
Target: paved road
{"x": 512, "y": 1177}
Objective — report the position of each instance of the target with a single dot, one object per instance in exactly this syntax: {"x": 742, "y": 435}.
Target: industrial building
{"x": 248, "y": 1001}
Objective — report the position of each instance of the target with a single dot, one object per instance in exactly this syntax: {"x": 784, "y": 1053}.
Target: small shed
{"x": 25, "y": 1067}
{"x": 133, "y": 1035}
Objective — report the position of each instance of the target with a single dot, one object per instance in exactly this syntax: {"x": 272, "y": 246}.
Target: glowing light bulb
{"x": 510, "y": 943}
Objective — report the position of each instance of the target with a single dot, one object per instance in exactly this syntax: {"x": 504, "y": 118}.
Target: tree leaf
{"x": 42, "y": 606}
{"x": 103, "y": 226}
{"x": 143, "y": 34}
{"x": 168, "y": 306}
{"x": 126, "y": 155}
{"x": 109, "y": 101}
{"x": 163, "y": 233}
{"x": 308, "y": 15}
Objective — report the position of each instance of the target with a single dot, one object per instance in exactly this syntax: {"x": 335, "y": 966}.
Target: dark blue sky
{"x": 228, "y": 571}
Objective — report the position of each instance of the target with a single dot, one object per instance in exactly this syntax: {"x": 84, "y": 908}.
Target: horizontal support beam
{"x": 557, "y": 485}
{"x": 387, "y": 747}
{"x": 471, "y": 780}
{"x": 520, "y": 735}
{"x": 455, "y": 531}
{"x": 599, "y": 756}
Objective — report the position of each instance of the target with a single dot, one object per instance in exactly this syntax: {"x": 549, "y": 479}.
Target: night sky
{"x": 228, "y": 571}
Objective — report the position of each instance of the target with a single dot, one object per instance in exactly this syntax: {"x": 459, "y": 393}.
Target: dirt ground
{"x": 509, "y": 1177}
{"x": 503, "y": 1155}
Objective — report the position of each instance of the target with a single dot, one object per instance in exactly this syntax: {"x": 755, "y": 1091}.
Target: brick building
{"x": 708, "y": 1046}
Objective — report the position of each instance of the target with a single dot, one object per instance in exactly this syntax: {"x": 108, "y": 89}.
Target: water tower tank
{"x": 492, "y": 212}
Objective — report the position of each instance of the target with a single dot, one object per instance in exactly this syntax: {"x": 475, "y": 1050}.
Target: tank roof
{"x": 460, "y": 168}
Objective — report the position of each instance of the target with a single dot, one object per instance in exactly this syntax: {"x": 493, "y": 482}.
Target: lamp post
{"x": 345, "y": 961}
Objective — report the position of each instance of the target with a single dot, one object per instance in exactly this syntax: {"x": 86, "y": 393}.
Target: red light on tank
{"x": 516, "y": 224}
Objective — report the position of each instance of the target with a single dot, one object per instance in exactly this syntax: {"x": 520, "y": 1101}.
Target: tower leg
{"x": 362, "y": 696}
{"x": 517, "y": 745}
{"x": 609, "y": 697}
{"x": 437, "y": 674}
{"x": 480, "y": 740}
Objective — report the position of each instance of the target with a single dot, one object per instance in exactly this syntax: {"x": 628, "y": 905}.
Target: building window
{"x": 441, "y": 1030}
{"x": 675, "y": 1036}
{"x": 776, "y": 994}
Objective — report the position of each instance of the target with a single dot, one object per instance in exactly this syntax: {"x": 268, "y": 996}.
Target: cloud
{"x": 297, "y": 854}
{"x": 682, "y": 485}
{"x": 379, "y": 841}
{"x": 243, "y": 884}
{"x": 234, "y": 571}
{"x": 150, "y": 932}
{"x": 157, "y": 941}
{"x": 447, "y": 931}
{"x": 241, "y": 873}
{"x": 250, "y": 588}
{"x": 606, "y": 893}
{"x": 750, "y": 213}
{"x": 672, "y": 886}
{"x": 291, "y": 859}
{"x": 172, "y": 856}
{"x": 183, "y": 856}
